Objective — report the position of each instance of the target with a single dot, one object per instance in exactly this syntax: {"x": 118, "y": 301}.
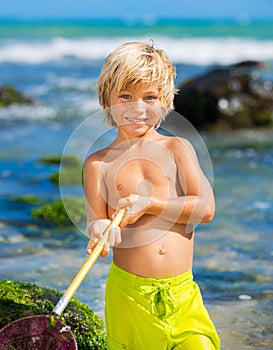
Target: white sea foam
{"x": 199, "y": 51}
{"x": 31, "y": 113}
{"x": 42, "y": 112}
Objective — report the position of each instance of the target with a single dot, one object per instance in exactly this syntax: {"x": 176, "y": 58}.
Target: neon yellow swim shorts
{"x": 151, "y": 314}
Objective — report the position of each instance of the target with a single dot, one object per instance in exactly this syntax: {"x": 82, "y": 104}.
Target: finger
{"x": 93, "y": 242}
{"x": 95, "y": 235}
{"x": 114, "y": 236}
{"x": 117, "y": 236}
{"x": 89, "y": 248}
{"x": 96, "y": 231}
{"x": 91, "y": 245}
{"x": 88, "y": 251}
{"x": 125, "y": 220}
{"x": 124, "y": 223}
{"x": 106, "y": 250}
{"x": 115, "y": 212}
{"x": 123, "y": 203}
{"x": 111, "y": 237}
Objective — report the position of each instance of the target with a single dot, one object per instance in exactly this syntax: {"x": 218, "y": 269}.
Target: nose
{"x": 138, "y": 106}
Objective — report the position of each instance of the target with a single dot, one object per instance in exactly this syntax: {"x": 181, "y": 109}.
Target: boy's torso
{"x": 152, "y": 247}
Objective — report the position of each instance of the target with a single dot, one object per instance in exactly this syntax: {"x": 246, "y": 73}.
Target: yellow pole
{"x": 68, "y": 294}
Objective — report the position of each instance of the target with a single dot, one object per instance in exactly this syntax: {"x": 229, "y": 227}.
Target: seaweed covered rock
{"x": 56, "y": 212}
{"x": 9, "y": 95}
{"x": 20, "y": 299}
{"x": 227, "y": 98}
{"x": 68, "y": 210}
{"x": 70, "y": 173}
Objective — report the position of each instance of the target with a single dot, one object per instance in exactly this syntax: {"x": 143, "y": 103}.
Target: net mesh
{"x": 35, "y": 333}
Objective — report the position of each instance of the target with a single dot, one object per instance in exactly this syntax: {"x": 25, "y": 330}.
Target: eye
{"x": 150, "y": 98}
{"x": 125, "y": 97}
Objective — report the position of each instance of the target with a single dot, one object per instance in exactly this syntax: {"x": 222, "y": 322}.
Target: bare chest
{"x": 144, "y": 176}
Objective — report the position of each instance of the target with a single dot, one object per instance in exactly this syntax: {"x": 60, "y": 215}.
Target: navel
{"x": 162, "y": 251}
{"x": 119, "y": 187}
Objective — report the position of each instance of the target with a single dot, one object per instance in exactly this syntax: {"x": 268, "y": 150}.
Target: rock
{"x": 20, "y": 299}
{"x": 66, "y": 210}
{"x": 71, "y": 169}
{"x": 56, "y": 212}
{"x": 9, "y": 95}
{"x": 227, "y": 97}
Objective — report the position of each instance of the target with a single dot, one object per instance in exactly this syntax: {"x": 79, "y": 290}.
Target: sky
{"x": 141, "y": 9}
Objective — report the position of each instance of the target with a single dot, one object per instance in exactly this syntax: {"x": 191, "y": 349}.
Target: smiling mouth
{"x": 139, "y": 121}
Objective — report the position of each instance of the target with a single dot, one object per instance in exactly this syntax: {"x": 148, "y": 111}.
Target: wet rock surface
{"x": 21, "y": 299}
{"x": 9, "y": 95}
{"x": 231, "y": 97}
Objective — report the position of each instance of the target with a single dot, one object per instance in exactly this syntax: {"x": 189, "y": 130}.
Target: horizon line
{"x": 135, "y": 20}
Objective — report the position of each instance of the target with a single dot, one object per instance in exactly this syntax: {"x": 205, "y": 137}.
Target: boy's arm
{"x": 195, "y": 206}
{"x": 197, "y": 203}
{"x": 96, "y": 206}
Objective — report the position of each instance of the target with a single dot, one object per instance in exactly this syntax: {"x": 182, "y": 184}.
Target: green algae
{"x": 9, "y": 95}
{"x": 70, "y": 173}
{"x": 56, "y": 213}
{"x": 21, "y": 299}
{"x": 67, "y": 177}
{"x": 28, "y": 199}
{"x": 69, "y": 160}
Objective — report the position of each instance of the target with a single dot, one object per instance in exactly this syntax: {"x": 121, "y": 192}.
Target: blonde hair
{"x": 131, "y": 65}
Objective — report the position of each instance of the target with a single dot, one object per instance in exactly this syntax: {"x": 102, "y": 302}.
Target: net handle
{"x": 74, "y": 285}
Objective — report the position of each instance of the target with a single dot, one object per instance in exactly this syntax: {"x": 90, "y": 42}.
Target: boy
{"x": 152, "y": 301}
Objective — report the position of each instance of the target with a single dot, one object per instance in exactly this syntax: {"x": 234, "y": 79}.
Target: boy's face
{"x": 136, "y": 110}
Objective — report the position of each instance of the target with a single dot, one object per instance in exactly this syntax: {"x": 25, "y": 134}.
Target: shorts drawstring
{"x": 160, "y": 297}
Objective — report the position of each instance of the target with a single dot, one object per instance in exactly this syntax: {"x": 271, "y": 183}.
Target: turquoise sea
{"x": 57, "y": 63}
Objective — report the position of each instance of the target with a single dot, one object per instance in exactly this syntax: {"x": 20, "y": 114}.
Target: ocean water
{"x": 57, "y": 63}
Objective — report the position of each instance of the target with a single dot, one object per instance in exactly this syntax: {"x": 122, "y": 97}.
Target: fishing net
{"x": 36, "y": 333}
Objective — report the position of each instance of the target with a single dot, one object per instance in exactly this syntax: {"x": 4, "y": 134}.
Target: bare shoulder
{"x": 179, "y": 146}
{"x": 95, "y": 158}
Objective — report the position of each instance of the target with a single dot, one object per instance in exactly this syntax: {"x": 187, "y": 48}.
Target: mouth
{"x": 138, "y": 121}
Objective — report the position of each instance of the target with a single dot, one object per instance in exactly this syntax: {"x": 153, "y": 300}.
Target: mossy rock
{"x": 20, "y": 299}
{"x": 67, "y": 177}
{"x": 69, "y": 160}
{"x": 9, "y": 95}
{"x": 28, "y": 199}
{"x": 70, "y": 173}
{"x": 56, "y": 212}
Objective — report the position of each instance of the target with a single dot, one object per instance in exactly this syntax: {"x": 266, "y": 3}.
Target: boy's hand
{"x": 95, "y": 230}
{"x": 136, "y": 206}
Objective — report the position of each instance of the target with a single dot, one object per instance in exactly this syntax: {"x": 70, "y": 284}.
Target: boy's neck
{"x": 151, "y": 134}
